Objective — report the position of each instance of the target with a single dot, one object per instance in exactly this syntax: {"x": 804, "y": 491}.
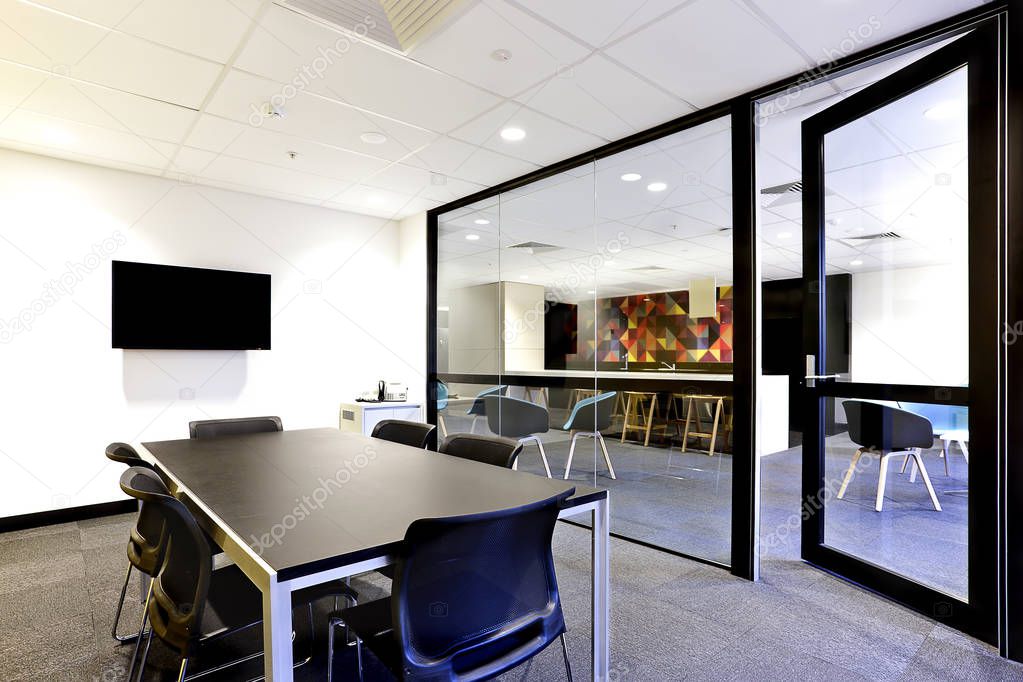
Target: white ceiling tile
{"x": 546, "y": 141}
{"x": 191, "y": 162}
{"x": 380, "y": 202}
{"x": 214, "y": 133}
{"x": 717, "y": 50}
{"x": 128, "y": 63}
{"x": 417, "y": 181}
{"x": 537, "y": 50}
{"x": 596, "y": 21}
{"x": 53, "y": 135}
{"x": 261, "y": 176}
{"x": 829, "y": 30}
{"x": 242, "y": 96}
{"x": 48, "y": 40}
{"x": 207, "y": 28}
{"x": 600, "y": 96}
{"x": 273, "y": 148}
{"x": 95, "y": 105}
{"x": 107, "y": 13}
{"x": 17, "y": 83}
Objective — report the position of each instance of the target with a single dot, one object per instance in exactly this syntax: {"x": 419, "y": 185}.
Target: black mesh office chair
{"x": 494, "y": 450}
{"x": 473, "y": 597}
{"x": 518, "y": 419}
{"x": 415, "y": 434}
{"x": 190, "y": 604}
{"x": 887, "y": 432}
{"x": 215, "y": 428}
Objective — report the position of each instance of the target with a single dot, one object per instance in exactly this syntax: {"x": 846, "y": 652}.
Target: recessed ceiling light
{"x": 784, "y": 235}
{"x": 373, "y": 137}
{"x": 523, "y": 276}
{"x": 501, "y": 55}
{"x": 856, "y": 262}
{"x": 513, "y": 134}
{"x": 943, "y": 111}
{"x": 481, "y": 221}
{"x": 632, "y": 177}
{"x": 472, "y": 237}
{"x": 657, "y": 186}
{"x": 374, "y": 199}
{"x": 591, "y": 291}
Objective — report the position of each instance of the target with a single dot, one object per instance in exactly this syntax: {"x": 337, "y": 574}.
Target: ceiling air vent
{"x": 780, "y": 195}
{"x": 866, "y": 238}
{"x": 535, "y": 247}
{"x": 398, "y": 24}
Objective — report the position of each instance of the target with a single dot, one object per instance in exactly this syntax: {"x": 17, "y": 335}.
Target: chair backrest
{"x": 416, "y": 434}
{"x": 476, "y": 595}
{"x": 215, "y": 428}
{"x": 515, "y": 418}
{"x": 487, "y": 449}
{"x": 883, "y": 427}
{"x": 442, "y": 396}
{"x": 478, "y": 406}
{"x": 592, "y": 414}
{"x": 126, "y": 454}
{"x": 942, "y": 417}
{"x": 146, "y": 540}
{"x": 182, "y": 581}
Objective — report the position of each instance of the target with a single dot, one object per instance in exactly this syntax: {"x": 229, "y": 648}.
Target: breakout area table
{"x": 299, "y": 508}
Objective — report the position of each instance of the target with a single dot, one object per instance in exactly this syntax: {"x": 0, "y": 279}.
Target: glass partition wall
{"x": 589, "y": 315}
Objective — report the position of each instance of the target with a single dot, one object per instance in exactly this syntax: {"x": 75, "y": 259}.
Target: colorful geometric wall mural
{"x": 653, "y": 328}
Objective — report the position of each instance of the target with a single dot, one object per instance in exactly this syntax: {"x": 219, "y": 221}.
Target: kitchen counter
{"x": 664, "y": 375}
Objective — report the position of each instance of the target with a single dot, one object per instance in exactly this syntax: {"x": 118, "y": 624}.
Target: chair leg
{"x": 689, "y": 417}
{"x": 607, "y": 457}
{"x": 568, "y": 663}
{"x": 966, "y": 450}
{"x": 849, "y": 473}
{"x": 944, "y": 454}
{"x": 142, "y": 630}
{"x": 912, "y": 465}
{"x": 571, "y": 453}
{"x": 184, "y": 670}
{"x": 442, "y": 425}
{"x": 714, "y": 429}
{"x": 120, "y": 607}
{"x": 628, "y": 413}
{"x": 543, "y": 456}
{"x": 927, "y": 481}
{"x": 145, "y": 654}
{"x": 905, "y": 462}
{"x": 650, "y": 420}
{"x": 882, "y": 479}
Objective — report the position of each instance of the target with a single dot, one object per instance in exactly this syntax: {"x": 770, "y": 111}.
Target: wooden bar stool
{"x": 581, "y": 394}
{"x": 530, "y": 393}
{"x": 639, "y": 417}
{"x": 694, "y": 423}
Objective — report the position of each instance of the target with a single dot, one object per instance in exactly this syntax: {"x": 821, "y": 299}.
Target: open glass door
{"x": 902, "y": 226}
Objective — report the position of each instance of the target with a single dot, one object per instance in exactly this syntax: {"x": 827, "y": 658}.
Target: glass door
{"x": 901, "y": 233}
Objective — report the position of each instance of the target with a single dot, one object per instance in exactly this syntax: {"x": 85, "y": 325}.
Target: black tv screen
{"x": 169, "y": 307}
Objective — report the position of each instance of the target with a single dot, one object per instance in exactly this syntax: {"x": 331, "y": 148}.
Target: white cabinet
{"x": 362, "y": 417}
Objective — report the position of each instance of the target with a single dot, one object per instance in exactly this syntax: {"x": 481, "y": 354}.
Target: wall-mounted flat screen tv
{"x": 175, "y": 308}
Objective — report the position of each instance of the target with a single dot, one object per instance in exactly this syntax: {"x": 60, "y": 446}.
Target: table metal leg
{"x": 601, "y": 590}
{"x": 277, "y": 659}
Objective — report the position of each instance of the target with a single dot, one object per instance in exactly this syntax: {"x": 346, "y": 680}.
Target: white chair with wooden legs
{"x": 887, "y": 432}
{"x": 589, "y": 417}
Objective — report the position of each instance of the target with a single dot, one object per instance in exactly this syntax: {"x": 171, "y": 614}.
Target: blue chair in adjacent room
{"x": 479, "y": 407}
{"x": 518, "y": 419}
{"x": 464, "y": 606}
{"x": 442, "y": 404}
{"x": 887, "y": 432}
{"x": 951, "y": 425}
{"x": 589, "y": 417}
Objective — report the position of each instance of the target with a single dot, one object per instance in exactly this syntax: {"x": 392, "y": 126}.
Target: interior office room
{"x": 510, "y": 339}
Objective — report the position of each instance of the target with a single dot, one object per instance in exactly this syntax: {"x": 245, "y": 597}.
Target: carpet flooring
{"x": 672, "y": 619}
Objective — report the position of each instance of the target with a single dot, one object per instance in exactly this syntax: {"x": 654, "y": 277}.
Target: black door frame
{"x": 979, "y": 616}
{"x": 745, "y": 529}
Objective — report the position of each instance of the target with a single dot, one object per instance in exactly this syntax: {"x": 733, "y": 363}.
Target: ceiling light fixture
{"x": 501, "y": 55}
{"x": 856, "y": 262}
{"x": 784, "y": 235}
{"x": 472, "y": 237}
{"x": 943, "y": 111}
{"x": 657, "y": 186}
{"x": 481, "y": 221}
{"x": 373, "y": 137}
{"x": 632, "y": 177}
{"x": 591, "y": 291}
{"x": 513, "y": 134}
{"x": 523, "y": 276}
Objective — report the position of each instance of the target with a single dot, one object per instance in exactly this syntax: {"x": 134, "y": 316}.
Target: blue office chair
{"x": 442, "y": 404}
{"x": 951, "y": 423}
{"x": 473, "y": 596}
{"x": 518, "y": 419}
{"x": 479, "y": 407}
{"x": 589, "y": 417}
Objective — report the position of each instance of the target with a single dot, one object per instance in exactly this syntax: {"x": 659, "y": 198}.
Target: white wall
{"x": 343, "y": 288}
{"x": 909, "y": 326}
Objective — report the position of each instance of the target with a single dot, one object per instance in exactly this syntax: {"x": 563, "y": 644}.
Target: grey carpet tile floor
{"x": 672, "y": 619}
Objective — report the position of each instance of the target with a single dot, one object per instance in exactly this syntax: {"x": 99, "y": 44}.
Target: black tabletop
{"x": 313, "y": 499}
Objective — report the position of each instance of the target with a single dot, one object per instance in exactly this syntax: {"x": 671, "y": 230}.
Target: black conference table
{"x": 299, "y": 508}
